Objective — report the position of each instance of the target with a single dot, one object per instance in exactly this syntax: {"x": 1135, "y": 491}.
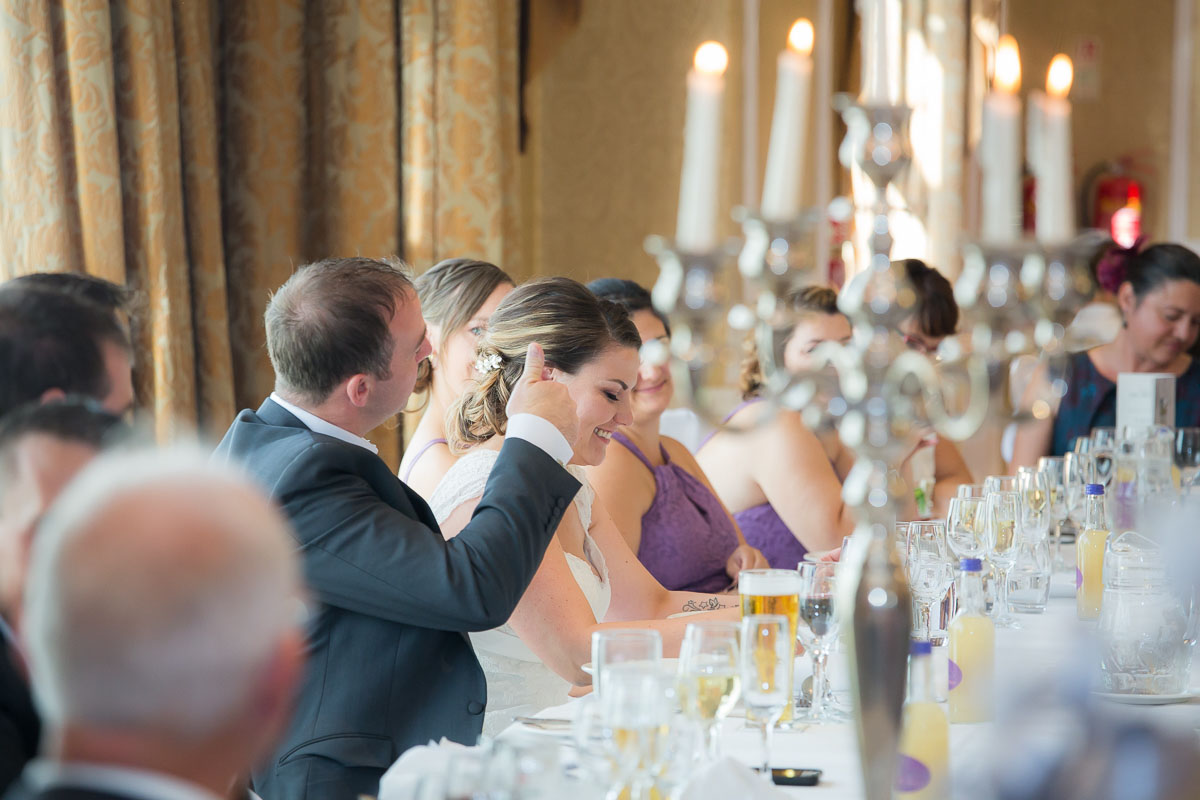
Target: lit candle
{"x": 695, "y": 229}
{"x": 876, "y": 48}
{"x": 1053, "y": 196}
{"x": 789, "y": 125}
{"x": 1000, "y": 148}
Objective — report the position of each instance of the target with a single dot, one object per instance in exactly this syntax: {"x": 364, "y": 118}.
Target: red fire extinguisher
{"x": 1113, "y": 198}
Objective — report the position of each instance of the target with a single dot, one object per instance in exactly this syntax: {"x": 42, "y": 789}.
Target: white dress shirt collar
{"x": 137, "y": 784}
{"x": 318, "y": 425}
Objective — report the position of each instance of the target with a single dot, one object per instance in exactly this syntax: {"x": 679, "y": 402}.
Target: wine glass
{"x": 965, "y": 531}
{"x": 999, "y": 483}
{"x": 817, "y": 632}
{"x": 1187, "y": 457}
{"x": 709, "y": 678}
{"x": 900, "y": 540}
{"x": 929, "y": 571}
{"x": 637, "y": 715}
{"x": 1029, "y": 589}
{"x": 969, "y": 490}
{"x": 1104, "y": 442}
{"x": 766, "y": 667}
{"x": 1035, "y": 501}
{"x": 1077, "y": 473}
{"x": 1002, "y": 514}
{"x": 1052, "y": 470}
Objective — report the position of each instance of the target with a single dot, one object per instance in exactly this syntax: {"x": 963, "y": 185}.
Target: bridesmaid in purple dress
{"x": 653, "y": 488}
{"x": 783, "y": 483}
{"x": 457, "y": 297}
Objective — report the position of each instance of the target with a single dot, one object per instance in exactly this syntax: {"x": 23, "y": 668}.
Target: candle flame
{"x": 1060, "y": 76}
{"x": 1008, "y": 66}
{"x": 711, "y": 58}
{"x": 801, "y": 37}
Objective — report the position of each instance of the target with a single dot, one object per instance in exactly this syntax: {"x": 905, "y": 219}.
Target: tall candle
{"x": 877, "y": 52}
{"x": 789, "y": 125}
{"x": 1053, "y": 195}
{"x": 1000, "y": 148}
{"x": 695, "y": 229}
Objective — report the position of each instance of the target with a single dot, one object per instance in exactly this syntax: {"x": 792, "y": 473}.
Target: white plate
{"x": 669, "y": 665}
{"x": 1146, "y": 699}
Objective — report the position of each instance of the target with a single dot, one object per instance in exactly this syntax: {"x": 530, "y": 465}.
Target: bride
{"x": 589, "y": 579}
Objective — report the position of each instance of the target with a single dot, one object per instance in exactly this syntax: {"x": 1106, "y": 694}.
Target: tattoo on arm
{"x": 711, "y": 604}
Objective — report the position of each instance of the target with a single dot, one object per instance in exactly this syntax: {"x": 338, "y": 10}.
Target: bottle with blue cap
{"x": 922, "y": 768}
{"x": 972, "y": 650}
{"x": 1089, "y": 553}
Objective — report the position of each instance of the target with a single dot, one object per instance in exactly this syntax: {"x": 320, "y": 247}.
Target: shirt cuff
{"x": 541, "y": 434}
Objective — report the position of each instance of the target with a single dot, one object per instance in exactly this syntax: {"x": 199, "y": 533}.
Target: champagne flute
{"x": 1052, "y": 470}
{"x": 1077, "y": 473}
{"x": 1035, "y": 501}
{"x": 1104, "y": 442}
{"x": 709, "y": 678}
{"x": 817, "y": 633}
{"x": 929, "y": 571}
{"x": 965, "y": 530}
{"x": 969, "y": 490}
{"x": 1003, "y": 514}
{"x": 766, "y": 667}
{"x": 999, "y": 483}
{"x": 637, "y": 716}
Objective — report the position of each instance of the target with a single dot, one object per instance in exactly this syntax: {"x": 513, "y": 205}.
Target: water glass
{"x": 709, "y": 678}
{"x": 817, "y": 631}
{"x": 930, "y": 571}
{"x": 766, "y": 673}
{"x": 621, "y": 646}
{"x": 1187, "y": 457}
{"x": 965, "y": 529}
{"x": 1003, "y": 516}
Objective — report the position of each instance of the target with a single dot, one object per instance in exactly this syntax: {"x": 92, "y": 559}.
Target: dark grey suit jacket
{"x": 389, "y": 665}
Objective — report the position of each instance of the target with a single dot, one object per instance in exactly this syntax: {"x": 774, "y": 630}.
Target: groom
{"x": 389, "y": 663}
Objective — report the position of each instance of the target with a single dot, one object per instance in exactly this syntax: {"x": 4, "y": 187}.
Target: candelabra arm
{"x": 958, "y": 427}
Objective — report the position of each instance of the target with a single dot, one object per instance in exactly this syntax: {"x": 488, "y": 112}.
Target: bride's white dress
{"x": 518, "y": 683}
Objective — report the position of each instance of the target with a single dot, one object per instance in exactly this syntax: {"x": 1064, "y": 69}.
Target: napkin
{"x": 728, "y": 778}
{"x": 402, "y": 778}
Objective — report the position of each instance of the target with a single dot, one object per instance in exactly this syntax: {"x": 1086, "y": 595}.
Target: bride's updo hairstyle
{"x": 571, "y": 324}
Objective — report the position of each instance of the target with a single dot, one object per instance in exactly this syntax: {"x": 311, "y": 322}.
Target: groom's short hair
{"x": 330, "y": 321}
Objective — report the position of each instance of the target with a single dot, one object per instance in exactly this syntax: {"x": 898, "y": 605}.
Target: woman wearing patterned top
{"x": 1159, "y": 299}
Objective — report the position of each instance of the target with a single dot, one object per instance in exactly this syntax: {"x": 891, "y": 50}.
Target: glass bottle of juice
{"x": 972, "y": 650}
{"x": 923, "y": 765}
{"x": 1089, "y": 553}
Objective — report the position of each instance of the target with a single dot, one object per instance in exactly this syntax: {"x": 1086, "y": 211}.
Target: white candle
{"x": 789, "y": 125}
{"x": 695, "y": 229}
{"x": 1000, "y": 149}
{"x": 1054, "y": 197}
{"x": 876, "y": 52}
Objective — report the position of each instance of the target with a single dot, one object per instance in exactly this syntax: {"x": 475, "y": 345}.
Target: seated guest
{"x": 1159, "y": 298}
{"x": 53, "y": 344}
{"x": 389, "y": 665}
{"x": 589, "y": 580}
{"x": 934, "y": 318}
{"x": 110, "y": 296}
{"x": 42, "y": 447}
{"x": 457, "y": 297}
{"x": 162, "y": 617}
{"x": 774, "y": 475}
{"x": 658, "y": 496}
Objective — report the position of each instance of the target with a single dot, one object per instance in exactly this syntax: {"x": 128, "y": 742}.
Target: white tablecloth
{"x": 1047, "y": 645}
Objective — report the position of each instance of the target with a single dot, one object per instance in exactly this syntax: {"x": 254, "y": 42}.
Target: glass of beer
{"x": 773, "y": 591}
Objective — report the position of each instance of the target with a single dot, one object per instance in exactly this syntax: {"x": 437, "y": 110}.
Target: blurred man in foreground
{"x": 163, "y": 631}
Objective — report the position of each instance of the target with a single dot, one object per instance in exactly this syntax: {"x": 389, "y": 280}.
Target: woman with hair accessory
{"x": 1159, "y": 299}
{"x": 589, "y": 579}
{"x": 457, "y": 297}
{"x": 658, "y": 496}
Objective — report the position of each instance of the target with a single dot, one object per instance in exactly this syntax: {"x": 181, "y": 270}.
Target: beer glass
{"x": 773, "y": 591}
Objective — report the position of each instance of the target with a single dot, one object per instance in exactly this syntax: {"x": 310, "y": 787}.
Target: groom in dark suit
{"x": 390, "y": 665}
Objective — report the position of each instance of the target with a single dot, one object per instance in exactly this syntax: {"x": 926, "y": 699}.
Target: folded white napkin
{"x": 728, "y": 779}
{"x": 401, "y": 780}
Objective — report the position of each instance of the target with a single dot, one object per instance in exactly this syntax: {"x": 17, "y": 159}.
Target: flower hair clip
{"x": 488, "y": 363}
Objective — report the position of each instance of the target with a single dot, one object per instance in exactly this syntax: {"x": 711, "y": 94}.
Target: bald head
{"x": 159, "y": 590}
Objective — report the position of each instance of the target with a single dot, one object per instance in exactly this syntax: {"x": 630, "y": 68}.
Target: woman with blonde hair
{"x": 589, "y": 578}
{"x": 457, "y": 297}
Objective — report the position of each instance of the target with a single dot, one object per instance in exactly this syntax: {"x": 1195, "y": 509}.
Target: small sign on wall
{"x": 1087, "y": 69}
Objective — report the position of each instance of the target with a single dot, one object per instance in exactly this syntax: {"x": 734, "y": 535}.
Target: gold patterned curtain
{"x": 199, "y": 151}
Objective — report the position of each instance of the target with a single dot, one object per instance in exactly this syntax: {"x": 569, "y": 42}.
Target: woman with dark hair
{"x": 457, "y": 297}
{"x": 1159, "y": 300}
{"x": 589, "y": 579}
{"x": 652, "y": 486}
